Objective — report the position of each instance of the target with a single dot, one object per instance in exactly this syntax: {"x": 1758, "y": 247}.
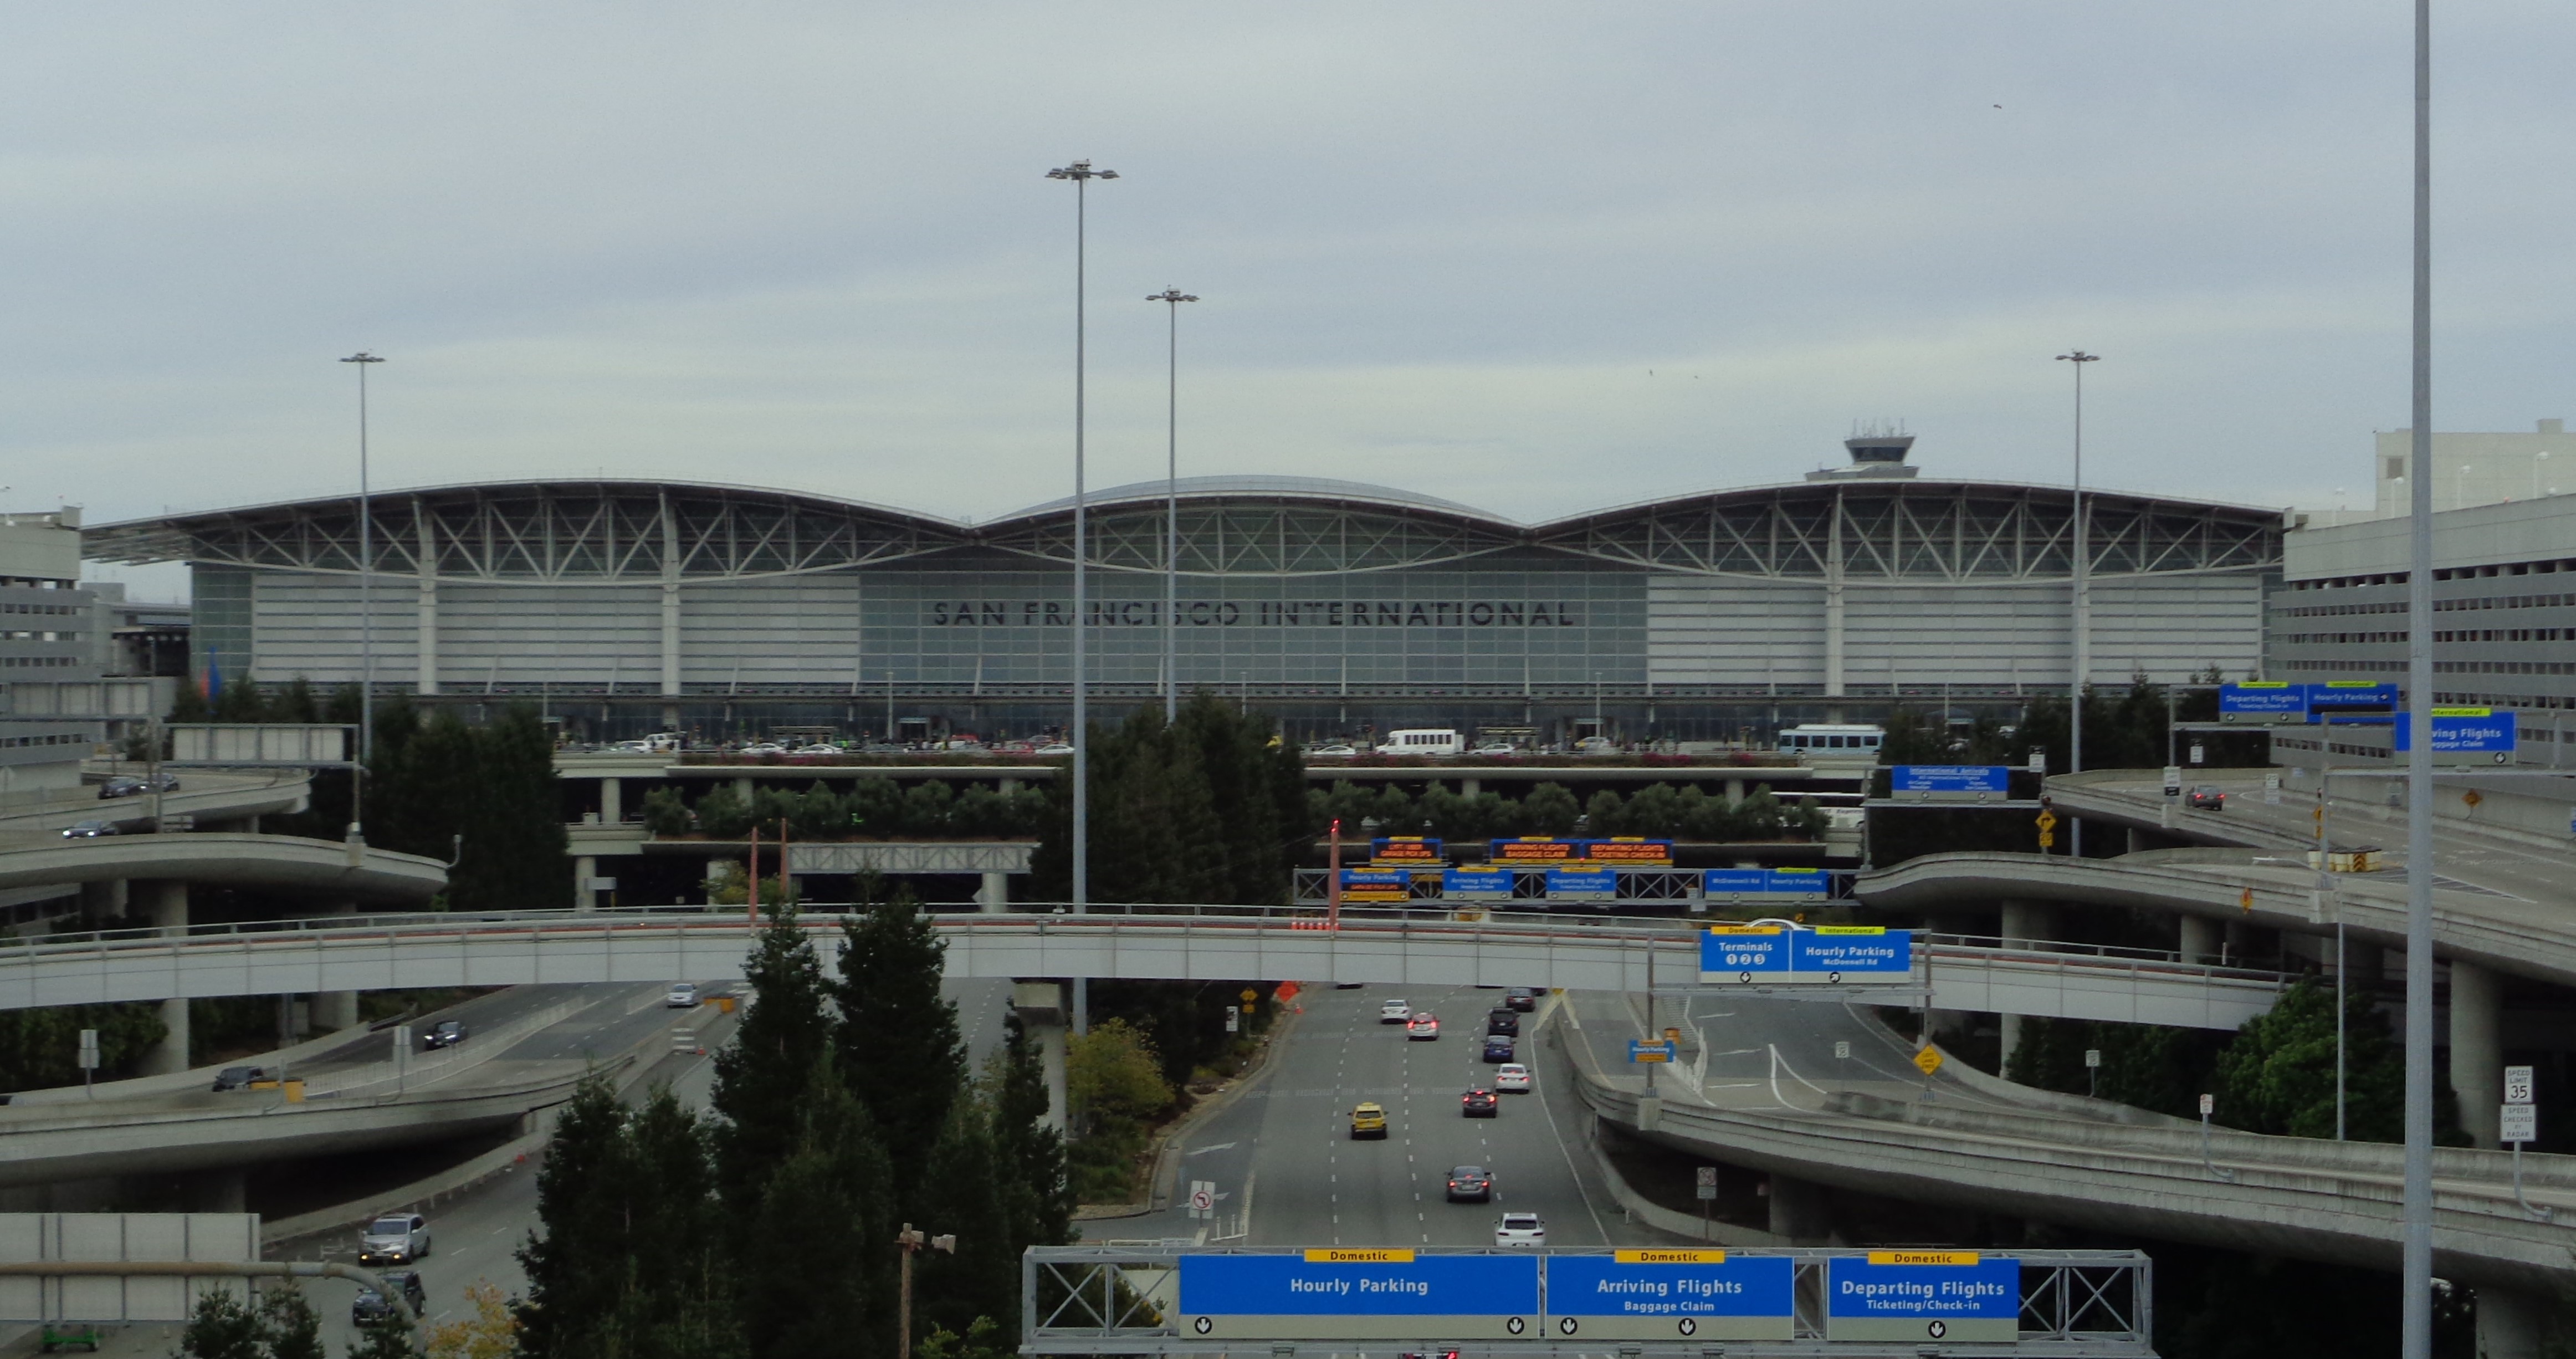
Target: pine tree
{"x": 1037, "y": 1196}
{"x": 816, "y": 1258}
{"x": 293, "y": 1329}
{"x": 575, "y": 1268}
{"x": 223, "y": 1327}
{"x": 761, "y": 1076}
{"x": 960, "y": 1194}
{"x": 900, "y": 1051}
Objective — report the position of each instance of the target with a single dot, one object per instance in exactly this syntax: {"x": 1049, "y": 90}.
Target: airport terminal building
{"x": 631, "y": 606}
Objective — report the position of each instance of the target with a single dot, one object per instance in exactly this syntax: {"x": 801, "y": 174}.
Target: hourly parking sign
{"x": 1670, "y": 1294}
{"x": 1359, "y": 1294}
{"x": 1897, "y": 1295}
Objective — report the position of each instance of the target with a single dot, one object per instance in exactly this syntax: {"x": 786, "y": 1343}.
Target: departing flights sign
{"x": 1359, "y": 1294}
{"x": 1827, "y": 954}
{"x": 1664, "y": 1294}
{"x": 2263, "y": 702}
{"x": 1898, "y": 1295}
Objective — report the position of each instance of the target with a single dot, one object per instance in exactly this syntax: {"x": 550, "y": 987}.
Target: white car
{"x": 395, "y": 1239}
{"x": 1053, "y": 748}
{"x": 763, "y": 748}
{"x": 1512, "y": 1078}
{"x": 1394, "y": 1012}
{"x": 682, "y": 996}
{"x": 1335, "y": 751}
{"x": 1521, "y": 1230}
{"x": 818, "y": 748}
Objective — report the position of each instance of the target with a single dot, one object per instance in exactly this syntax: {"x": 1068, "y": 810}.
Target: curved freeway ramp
{"x": 281, "y": 863}
{"x": 2512, "y": 935}
{"x": 1783, "y": 1108}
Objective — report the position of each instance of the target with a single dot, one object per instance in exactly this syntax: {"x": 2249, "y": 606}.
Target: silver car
{"x": 394, "y": 1239}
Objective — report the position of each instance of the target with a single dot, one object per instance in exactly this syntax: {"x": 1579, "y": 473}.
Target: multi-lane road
{"x": 1288, "y": 1173}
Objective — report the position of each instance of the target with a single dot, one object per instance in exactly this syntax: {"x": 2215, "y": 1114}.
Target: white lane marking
{"x": 1202, "y": 1151}
{"x": 1782, "y": 1064}
{"x": 1734, "y": 1052}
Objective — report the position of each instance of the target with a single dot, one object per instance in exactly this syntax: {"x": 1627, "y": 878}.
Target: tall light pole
{"x": 1172, "y": 508}
{"x": 2416, "y": 1275}
{"x": 366, "y": 611}
{"x": 2082, "y": 645}
{"x": 1081, "y": 173}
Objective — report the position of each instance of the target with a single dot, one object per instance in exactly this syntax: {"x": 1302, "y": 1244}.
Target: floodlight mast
{"x": 2080, "y": 649}
{"x": 357, "y": 833}
{"x": 1172, "y": 508}
{"x": 1081, "y": 174}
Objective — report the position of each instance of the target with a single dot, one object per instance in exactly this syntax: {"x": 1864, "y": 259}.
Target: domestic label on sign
{"x": 1582, "y": 884}
{"x": 1703, "y": 1295}
{"x": 2520, "y": 1123}
{"x": 2263, "y": 703}
{"x": 1964, "y": 1297}
{"x": 1376, "y": 884}
{"x": 2464, "y": 731}
{"x": 1477, "y": 884}
{"x": 1743, "y": 954}
{"x": 2517, "y": 1085}
{"x": 1949, "y": 782}
{"x": 1356, "y": 1294}
{"x": 1406, "y": 850}
{"x": 1534, "y": 850}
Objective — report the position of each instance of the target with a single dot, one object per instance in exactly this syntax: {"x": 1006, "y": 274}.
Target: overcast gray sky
{"x": 1538, "y": 258}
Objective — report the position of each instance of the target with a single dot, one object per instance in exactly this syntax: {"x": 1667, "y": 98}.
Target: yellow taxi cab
{"x": 1368, "y": 1120}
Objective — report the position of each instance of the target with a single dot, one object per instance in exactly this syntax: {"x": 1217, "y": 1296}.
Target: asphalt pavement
{"x": 1288, "y": 1173}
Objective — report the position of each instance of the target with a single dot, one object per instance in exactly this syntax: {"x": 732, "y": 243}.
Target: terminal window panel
{"x": 220, "y": 627}
{"x": 1972, "y": 635}
{"x": 1736, "y": 632}
{"x": 782, "y": 630}
{"x": 505, "y": 635}
{"x": 307, "y": 625}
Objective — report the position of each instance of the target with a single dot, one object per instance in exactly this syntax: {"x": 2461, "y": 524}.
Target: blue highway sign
{"x": 2464, "y": 731}
{"x": 1660, "y": 1050}
{"x": 1477, "y": 884}
{"x": 1582, "y": 884}
{"x": 2263, "y": 702}
{"x": 1359, "y": 1294}
{"x": 1898, "y": 1295}
{"x": 1741, "y": 954}
{"x": 1840, "y": 953}
{"x": 1949, "y": 780}
{"x": 1670, "y": 1294}
{"x": 1734, "y": 882}
{"x": 1798, "y": 882}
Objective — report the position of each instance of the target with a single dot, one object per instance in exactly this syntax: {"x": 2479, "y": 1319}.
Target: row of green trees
{"x": 1210, "y": 807}
{"x": 873, "y": 808}
{"x": 2125, "y": 727}
{"x": 2275, "y": 1075}
{"x": 436, "y": 786}
{"x": 1658, "y": 810}
{"x": 842, "y": 1110}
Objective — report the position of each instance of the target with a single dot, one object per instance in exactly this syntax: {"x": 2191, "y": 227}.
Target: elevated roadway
{"x": 1220, "y": 944}
{"x": 213, "y": 797}
{"x": 2510, "y": 934}
{"x": 1767, "y": 1092}
{"x": 281, "y": 863}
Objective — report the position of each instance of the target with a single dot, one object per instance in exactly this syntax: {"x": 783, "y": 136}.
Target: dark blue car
{"x": 1498, "y": 1049}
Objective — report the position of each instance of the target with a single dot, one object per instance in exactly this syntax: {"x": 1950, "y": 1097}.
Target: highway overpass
{"x": 1206, "y": 944}
{"x": 276, "y": 863}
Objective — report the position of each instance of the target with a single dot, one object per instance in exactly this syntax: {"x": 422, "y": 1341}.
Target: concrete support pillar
{"x": 336, "y": 1010}
{"x": 2510, "y": 1323}
{"x": 1470, "y": 787}
{"x": 584, "y": 868}
{"x": 165, "y": 904}
{"x": 612, "y": 801}
{"x": 171, "y": 1053}
{"x": 742, "y": 789}
{"x": 2239, "y": 943}
{"x": 995, "y": 897}
{"x": 2023, "y": 922}
{"x": 670, "y": 608}
{"x": 1043, "y": 1017}
{"x": 2137, "y": 839}
{"x": 1735, "y": 790}
{"x": 1799, "y": 1211}
{"x": 2477, "y": 1049}
{"x": 2199, "y": 939}
{"x": 100, "y": 900}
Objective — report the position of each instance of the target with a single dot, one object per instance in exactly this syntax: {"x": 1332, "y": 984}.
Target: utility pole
{"x": 366, "y": 612}
{"x": 908, "y": 1241}
{"x": 2082, "y": 651}
{"x": 1172, "y": 506}
{"x": 2416, "y": 1273}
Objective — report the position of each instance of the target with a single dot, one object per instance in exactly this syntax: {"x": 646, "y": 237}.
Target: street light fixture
{"x": 2083, "y": 607}
{"x": 366, "y": 612}
{"x": 910, "y": 1241}
{"x": 1172, "y": 507}
{"x": 1081, "y": 174}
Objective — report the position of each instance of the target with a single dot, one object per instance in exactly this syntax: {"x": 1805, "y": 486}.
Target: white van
{"x": 1423, "y": 741}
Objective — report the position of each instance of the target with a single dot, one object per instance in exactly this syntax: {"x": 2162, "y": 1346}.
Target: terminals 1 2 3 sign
{"x": 1359, "y": 1295}
{"x": 1670, "y": 1294}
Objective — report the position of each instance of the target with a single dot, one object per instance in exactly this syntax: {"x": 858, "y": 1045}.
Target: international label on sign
{"x": 1700, "y": 1295}
{"x": 2464, "y": 731}
{"x": 1963, "y": 1297}
{"x": 1358, "y": 1294}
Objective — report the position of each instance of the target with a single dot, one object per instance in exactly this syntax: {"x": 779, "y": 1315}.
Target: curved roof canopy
{"x": 626, "y": 532}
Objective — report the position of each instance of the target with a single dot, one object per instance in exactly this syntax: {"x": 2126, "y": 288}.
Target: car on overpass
{"x": 89, "y": 830}
{"x": 682, "y": 996}
{"x": 2208, "y": 797}
{"x": 128, "y": 785}
{"x": 446, "y": 1033}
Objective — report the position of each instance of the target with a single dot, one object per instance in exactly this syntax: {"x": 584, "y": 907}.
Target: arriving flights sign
{"x": 1364, "y": 1294}
{"x": 1662, "y": 1294}
{"x": 2464, "y": 731}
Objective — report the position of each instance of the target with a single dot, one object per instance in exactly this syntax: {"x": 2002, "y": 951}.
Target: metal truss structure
{"x": 627, "y": 532}
{"x": 1119, "y": 1298}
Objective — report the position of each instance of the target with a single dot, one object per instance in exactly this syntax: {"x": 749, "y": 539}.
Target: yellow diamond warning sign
{"x": 1928, "y": 1058}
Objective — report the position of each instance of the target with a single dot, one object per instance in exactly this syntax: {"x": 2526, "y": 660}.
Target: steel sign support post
{"x": 1172, "y": 505}
{"x": 2081, "y": 652}
{"x": 1081, "y": 173}
{"x": 2416, "y": 1277}
{"x": 366, "y": 612}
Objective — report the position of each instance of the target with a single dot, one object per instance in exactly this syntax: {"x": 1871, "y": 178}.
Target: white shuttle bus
{"x": 1423, "y": 741}
{"x": 1833, "y": 742}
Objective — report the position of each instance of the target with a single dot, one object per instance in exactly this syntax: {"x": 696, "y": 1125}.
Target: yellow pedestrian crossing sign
{"x": 1928, "y": 1057}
